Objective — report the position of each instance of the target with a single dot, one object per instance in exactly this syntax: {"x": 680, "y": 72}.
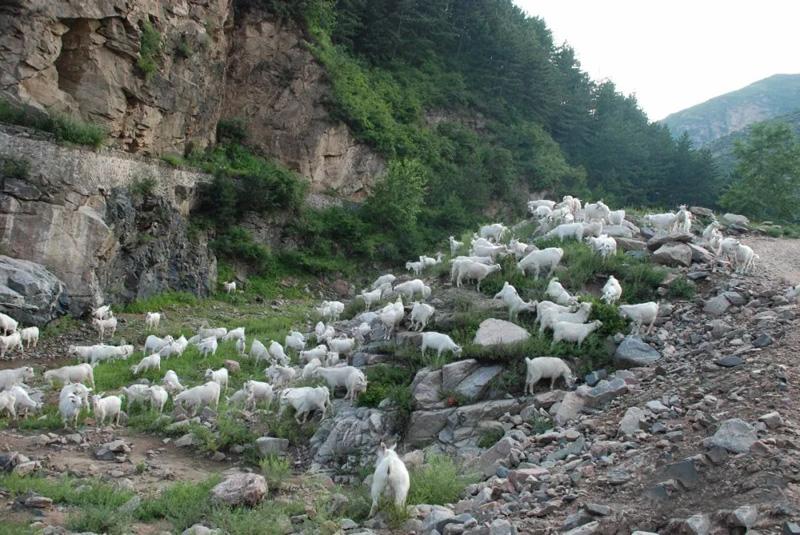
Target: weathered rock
{"x": 30, "y": 293}
{"x": 673, "y": 254}
{"x": 700, "y": 255}
{"x": 629, "y": 244}
{"x": 716, "y": 306}
{"x": 356, "y": 431}
{"x": 735, "y": 298}
{"x": 232, "y": 366}
{"x": 635, "y": 353}
{"x": 734, "y": 435}
{"x": 110, "y": 450}
{"x": 745, "y": 516}
{"x": 701, "y": 211}
{"x": 632, "y": 422}
{"x": 731, "y": 361}
{"x": 568, "y": 408}
{"x": 426, "y": 389}
{"x": 200, "y": 529}
{"x": 570, "y": 448}
{"x": 499, "y": 332}
{"x": 656, "y": 242}
{"x": 735, "y": 219}
{"x": 455, "y": 372}
{"x": 603, "y": 392}
{"x": 498, "y": 454}
{"x": 37, "y": 501}
{"x": 271, "y": 445}
{"x": 763, "y": 340}
{"x": 719, "y": 328}
{"x": 436, "y": 518}
{"x": 474, "y": 386}
{"x": 240, "y": 489}
{"x": 619, "y": 232}
{"x": 772, "y": 419}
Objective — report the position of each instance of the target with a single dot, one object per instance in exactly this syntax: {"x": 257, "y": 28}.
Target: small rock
{"x": 37, "y": 501}
{"x": 185, "y": 441}
{"x": 200, "y": 529}
{"x": 734, "y": 435}
{"x": 731, "y": 361}
{"x": 595, "y": 377}
{"x": 493, "y": 332}
{"x": 632, "y": 422}
{"x": 232, "y": 366}
{"x": 716, "y": 306}
{"x": 744, "y": 516}
{"x": 772, "y": 419}
{"x": 271, "y": 445}
{"x": 130, "y": 506}
{"x": 791, "y": 528}
{"x": 763, "y": 340}
{"x": 501, "y": 526}
{"x": 240, "y": 489}
{"x": 597, "y": 509}
{"x": 634, "y": 353}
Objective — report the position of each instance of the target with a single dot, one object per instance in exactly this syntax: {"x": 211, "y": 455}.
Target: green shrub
{"x": 143, "y": 187}
{"x": 490, "y": 437}
{"x": 184, "y": 48}
{"x": 99, "y": 519}
{"x": 237, "y": 243}
{"x": 438, "y": 481}
{"x": 149, "y": 50}
{"x": 681, "y": 288}
{"x": 64, "y": 128}
{"x": 175, "y": 160}
{"x": 11, "y": 167}
{"x": 160, "y": 301}
{"x": 182, "y": 504}
{"x": 275, "y": 470}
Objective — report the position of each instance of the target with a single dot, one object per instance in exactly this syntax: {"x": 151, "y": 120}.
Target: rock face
{"x": 494, "y": 332}
{"x": 274, "y": 81}
{"x": 30, "y": 293}
{"x": 673, "y": 254}
{"x": 466, "y": 379}
{"x": 81, "y": 58}
{"x": 240, "y": 489}
{"x": 456, "y": 428}
{"x": 74, "y": 213}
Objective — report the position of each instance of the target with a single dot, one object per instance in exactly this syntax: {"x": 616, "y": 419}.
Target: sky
{"x": 674, "y": 54}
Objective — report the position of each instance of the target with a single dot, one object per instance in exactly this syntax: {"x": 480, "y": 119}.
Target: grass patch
{"x": 65, "y": 129}
{"x": 182, "y": 504}
{"x": 286, "y": 427}
{"x": 681, "y": 288}
{"x": 174, "y": 160}
{"x": 438, "y": 481}
{"x": 275, "y": 470}
{"x": 490, "y": 437}
{"x": 160, "y": 301}
{"x": 143, "y": 187}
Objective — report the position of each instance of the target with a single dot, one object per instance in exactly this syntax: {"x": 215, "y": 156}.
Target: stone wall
{"x": 74, "y": 215}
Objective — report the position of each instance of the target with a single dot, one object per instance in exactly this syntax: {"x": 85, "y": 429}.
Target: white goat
{"x": 22, "y": 401}
{"x": 8, "y": 404}
{"x": 414, "y": 267}
{"x": 219, "y": 376}
{"x": 344, "y": 346}
{"x": 546, "y": 368}
{"x": 371, "y": 297}
{"x": 604, "y": 245}
{"x": 348, "y": 377}
{"x": 567, "y": 230}
{"x": 10, "y": 342}
{"x": 229, "y": 287}
{"x": 177, "y": 347}
{"x": 455, "y": 245}
{"x": 440, "y": 343}
{"x": 152, "y": 319}
{"x": 208, "y": 346}
{"x": 596, "y": 212}
{"x": 640, "y": 314}
{"x": 77, "y": 389}
{"x": 295, "y": 340}
{"x": 411, "y": 288}
{"x": 612, "y": 290}
{"x": 172, "y": 383}
{"x": 81, "y": 373}
{"x": 390, "y": 475}
{"x": 305, "y": 400}
{"x": 616, "y": 217}
{"x": 102, "y": 312}
{"x": 150, "y": 362}
{"x": 331, "y": 310}
{"x": 391, "y": 315}
{"x": 9, "y": 378}
{"x": 508, "y": 294}
{"x": 474, "y": 271}
{"x": 106, "y": 407}
{"x": 30, "y": 335}
{"x": 533, "y": 205}
{"x": 574, "y": 332}
{"x": 662, "y": 223}
{"x": 234, "y": 334}
{"x": 310, "y": 368}
{"x": 158, "y": 398}
{"x": 683, "y": 220}
{"x": 258, "y": 391}
{"x": 318, "y": 352}
{"x": 70, "y": 409}
{"x": 277, "y": 353}
{"x": 537, "y": 261}
{"x": 494, "y": 231}
{"x": 136, "y": 393}
{"x": 744, "y": 259}
{"x": 154, "y": 344}
{"x": 280, "y": 375}
{"x": 384, "y": 279}
{"x": 421, "y": 313}
{"x": 206, "y": 395}
{"x": 558, "y": 293}
{"x": 102, "y": 326}
{"x": 552, "y": 316}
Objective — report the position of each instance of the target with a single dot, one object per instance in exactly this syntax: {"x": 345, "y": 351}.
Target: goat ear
{"x": 393, "y": 447}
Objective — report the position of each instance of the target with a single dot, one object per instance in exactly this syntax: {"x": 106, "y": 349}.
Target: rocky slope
{"x": 734, "y": 111}
{"x": 84, "y": 58}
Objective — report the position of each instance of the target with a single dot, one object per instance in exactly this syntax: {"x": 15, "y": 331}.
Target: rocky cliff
{"x": 87, "y": 58}
{"x": 111, "y": 226}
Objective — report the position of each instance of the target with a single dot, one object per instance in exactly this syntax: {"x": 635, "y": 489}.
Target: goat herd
{"x": 561, "y": 312}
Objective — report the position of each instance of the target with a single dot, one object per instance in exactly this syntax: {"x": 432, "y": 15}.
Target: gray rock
{"x": 791, "y": 528}
{"x": 635, "y": 353}
{"x": 683, "y": 471}
{"x": 130, "y": 506}
{"x": 698, "y": 524}
{"x": 597, "y": 509}
{"x": 455, "y": 372}
{"x": 271, "y": 445}
{"x": 772, "y": 419}
{"x": 586, "y": 529}
{"x": 656, "y": 406}
{"x": 474, "y": 386}
{"x": 437, "y": 517}
{"x": 200, "y": 529}
{"x": 673, "y": 254}
{"x": 719, "y": 328}
{"x": 697, "y": 275}
{"x": 745, "y": 516}
{"x": 763, "y": 340}
{"x": 657, "y": 242}
{"x": 29, "y": 293}
{"x": 501, "y": 526}
{"x": 618, "y": 232}
{"x": 604, "y": 392}
{"x": 424, "y": 426}
{"x": 735, "y": 219}
{"x": 734, "y": 435}
{"x": 716, "y": 306}
{"x": 353, "y": 431}
{"x": 700, "y": 255}
{"x": 632, "y": 422}
{"x": 36, "y": 501}
{"x": 240, "y": 489}
{"x": 490, "y": 459}
{"x": 629, "y": 244}
{"x": 185, "y": 441}
{"x": 731, "y": 361}
{"x": 493, "y": 332}
{"x": 703, "y": 212}
{"x": 569, "y": 408}
{"x": 571, "y": 448}
{"x": 595, "y": 377}
{"x": 426, "y": 389}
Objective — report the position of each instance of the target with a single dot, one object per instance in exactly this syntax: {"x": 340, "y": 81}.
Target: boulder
{"x": 734, "y": 435}
{"x": 569, "y": 408}
{"x": 495, "y": 456}
{"x": 493, "y": 332}
{"x": 700, "y": 255}
{"x": 629, "y": 244}
{"x": 426, "y": 389}
{"x": 29, "y": 293}
{"x": 701, "y": 211}
{"x": 424, "y": 426}
{"x": 673, "y": 254}
{"x": 239, "y": 489}
{"x": 656, "y": 242}
{"x": 356, "y": 431}
{"x": 618, "y": 232}
{"x": 474, "y": 386}
{"x": 635, "y": 353}
{"x": 735, "y": 219}
{"x": 455, "y": 372}
{"x": 604, "y": 392}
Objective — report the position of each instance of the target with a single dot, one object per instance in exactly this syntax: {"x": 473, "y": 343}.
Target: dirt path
{"x": 779, "y": 258}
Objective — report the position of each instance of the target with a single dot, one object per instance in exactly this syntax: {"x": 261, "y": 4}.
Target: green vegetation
{"x": 766, "y": 181}
{"x": 275, "y": 470}
{"x": 681, "y": 288}
{"x": 11, "y": 167}
{"x": 184, "y": 48}
{"x": 149, "y": 50}
{"x": 143, "y": 187}
{"x": 174, "y": 160}
{"x": 490, "y": 437}
{"x": 64, "y": 128}
{"x": 162, "y": 301}
{"x": 438, "y": 481}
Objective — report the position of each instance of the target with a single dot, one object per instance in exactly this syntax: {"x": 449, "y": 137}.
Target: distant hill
{"x": 722, "y": 148}
{"x": 732, "y": 112}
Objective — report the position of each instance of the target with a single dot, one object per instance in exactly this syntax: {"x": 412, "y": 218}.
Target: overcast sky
{"x": 674, "y": 54}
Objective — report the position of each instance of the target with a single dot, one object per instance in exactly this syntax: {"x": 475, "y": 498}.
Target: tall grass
{"x": 65, "y": 129}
